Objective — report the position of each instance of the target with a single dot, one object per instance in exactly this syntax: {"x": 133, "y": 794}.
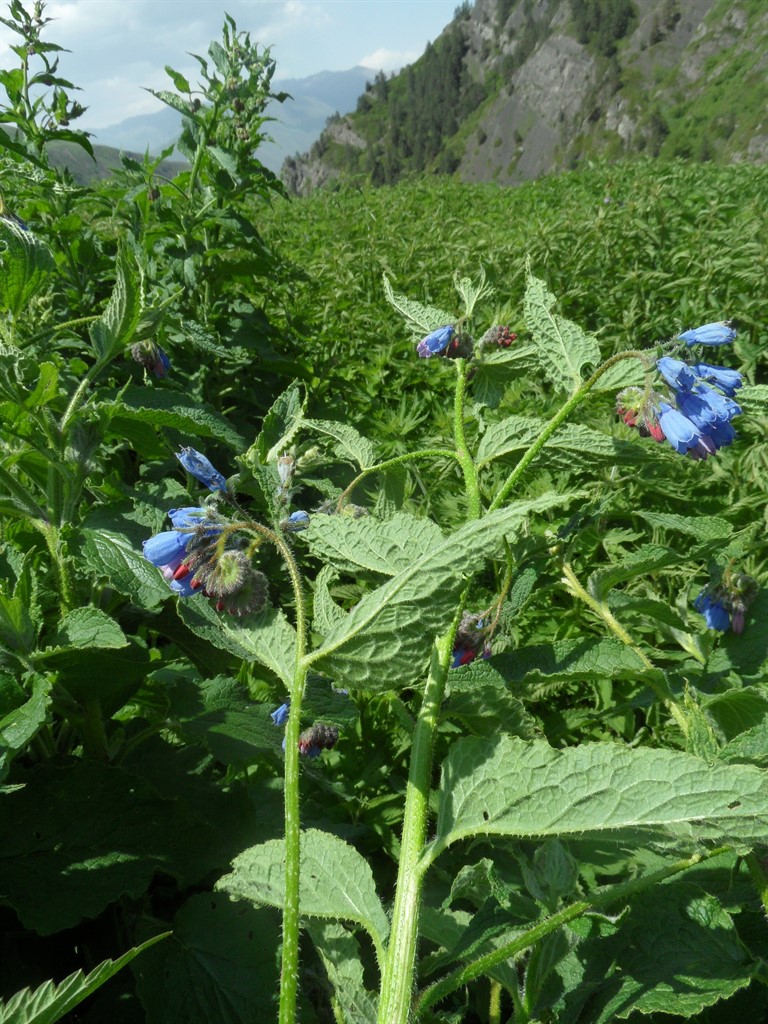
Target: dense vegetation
{"x": 576, "y": 823}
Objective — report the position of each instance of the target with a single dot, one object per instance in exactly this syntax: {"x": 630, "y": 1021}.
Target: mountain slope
{"x": 513, "y": 89}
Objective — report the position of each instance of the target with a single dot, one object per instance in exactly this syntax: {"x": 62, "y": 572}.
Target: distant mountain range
{"x": 298, "y": 121}
{"x": 516, "y": 89}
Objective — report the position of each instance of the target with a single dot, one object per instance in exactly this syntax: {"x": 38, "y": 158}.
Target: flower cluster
{"x": 497, "y": 337}
{"x": 695, "y": 414}
{"x": 312, "y": 741}
{"x": 193, "y": 560}
{"x": 445, "y": 341}
{"x": 725, "y": 604}
{"x": 152, "y": 357}
{"x": 469, "y": 641}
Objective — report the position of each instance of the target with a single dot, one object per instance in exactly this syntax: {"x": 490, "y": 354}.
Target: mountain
{"x": 514, "y": 89}
{"x": 297, "y": 122}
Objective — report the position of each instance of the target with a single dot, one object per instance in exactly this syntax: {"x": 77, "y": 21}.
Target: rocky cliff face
{"x": 559, "y": 81}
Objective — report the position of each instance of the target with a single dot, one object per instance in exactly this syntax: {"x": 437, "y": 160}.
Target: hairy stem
{"x": 468, "y": 467}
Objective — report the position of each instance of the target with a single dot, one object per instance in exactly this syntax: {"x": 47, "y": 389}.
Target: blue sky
{"x": 119, "y": 46}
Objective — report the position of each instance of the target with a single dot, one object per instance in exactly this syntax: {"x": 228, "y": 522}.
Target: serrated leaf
{"x": 471, "y": 292}
{"x": 563, "y": 348}
{"x": 326, "y": 613}
{"x": 526, "y": 789}
{"x": 350, "y": 444}
{"x": 219, "y": 965}
{"x": 647, "y": 558}
{"x": 517, "y": 434}
{"x": 46, "y": 389}
{"x": 83, "y": 628}
{"x": 340, "y": 952}
{"x": 278, "y": 427}
{"x": 421, "y": 319}
{"x": 26, "y": 264}
{"x": 20, "y": 724}
{"x": 117, "y": 324}
{"x": 17, "y": 500}
{"x": 50, "y": 1001}
{"x": 478, "y": 697}
{"x": 336, "y": 881}
{"x": 677, "y": 953}
{"x": 586, "y": 659}
{"x": 753, "y": 399}
{"x": 386, "y": 639}
{"x": 164, "y": 408}
{"x": 110, "y": 555}
{"x": 382, "y": 546}
{"x": 267, "y": 638}
{"x": 704, "y": 528}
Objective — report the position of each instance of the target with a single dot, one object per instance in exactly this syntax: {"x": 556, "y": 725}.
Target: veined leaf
{"x": 336, "y": 881}
{"x": 340, "y": 952}
{"x": 350, "y": 444}
{"x": 267, "y": 638}
{"x": 704, "y": 528}
{"x": 171, "y": 409}
{"x": 587, "y": 659}
{"x": 326, "y": 613}
{"x": 83, "y": 628}
{"x": 472, "y": 292}
{"x": 25, "y": 265}
{"x": 421, "y": 319}
{"x": 50, "y": 1002}
{"x": 563, "y": 347}
{"x": 111, "y": 555}
{"x": 384, "y": 546}
{"x": 526, "y": 789}
{"x": 278, "y": 426}
{"x": 517, "y": 433}
{"x": 116, "y": 327}
{"x": 385, "y": 640}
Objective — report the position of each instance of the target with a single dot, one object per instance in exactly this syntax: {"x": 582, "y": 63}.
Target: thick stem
{"x": 397, "y": 976}
{"x": 468, "y": 467}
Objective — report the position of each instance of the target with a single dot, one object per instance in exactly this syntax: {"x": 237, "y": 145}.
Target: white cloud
{"x": 389, "y": 60}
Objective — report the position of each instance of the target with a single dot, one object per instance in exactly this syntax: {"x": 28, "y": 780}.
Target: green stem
{"x": 464, "y": 975}
{"x": 76, "y": 399}
{"x": 494, "y": 1003}
{"x": 468, "y": 467}
{"x": 52, "y": 540}
{"x": 424, "y": 453}
{"x": 560, "y": 416}
{"x": 604, "y": 612}
{"x": 397, "y": 975}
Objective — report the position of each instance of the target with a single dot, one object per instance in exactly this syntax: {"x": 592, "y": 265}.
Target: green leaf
{"x": 471, "y": 292}
{"x": 219, "y": 965}
{"x": 46, "y": 389}
{"x": 350, "y": 445}
{"x": 21, "y": 722}
{"x": 267, "y": 638}
{"x": 86, "y": 627}
{"x": 164, "y": 408}
{"x": 517, "y": 434}
{"x": 342, "y": 958}
{"x": 336, "y": 881}
{"x": 50, "y": 1001}
{"x": 26, "y": 264}
{"x": 647, "y": 558}
{"x": 117, "y": 324}
{"x": 278, "y": 427}
{"x": 178, "y": 80}
{"x": 526, "y": 789}
{"x": 677, "y": 953}
{"x": 479, "y": 699}
{"x": 563, "y": 348}
{"x": 420, "y": 319}
{"x": 112, "y": 556}
{"x": 220, "y": 713}
{"x": 585, "y": 659}
{"x": 17, "y": 500}
{"x": 704, "y": 528}
{"x": 326, "y": 613}
{"x": 753, "y": 399}
{"x": 58, "y": 867}
{"x": 382, "y": 546}
{"x": 386, "y": 639}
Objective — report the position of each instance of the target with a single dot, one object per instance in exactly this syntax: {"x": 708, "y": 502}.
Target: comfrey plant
{"x": 524, "y": 818}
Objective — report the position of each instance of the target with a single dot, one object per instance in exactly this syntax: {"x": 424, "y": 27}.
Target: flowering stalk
{"x": 560, "y": 416}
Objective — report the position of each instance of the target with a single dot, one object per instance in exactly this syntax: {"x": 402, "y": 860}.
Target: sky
{"x": 119, "y": 46}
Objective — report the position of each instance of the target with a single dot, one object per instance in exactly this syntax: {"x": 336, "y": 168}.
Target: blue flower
{"x": 186, "y": 517}
{"x": 683, "y": 435}
{"x": 296, "y": 522}
{"x": 201, "y": 469}
{"x": 166, "y": 548}
{"x": 675, "y": 372}
{"x": 715, "y": 613}
{"x": 436, "y": 342}
{"x": 710, "y": 334}
{"x": 280, "y": 717}
{"x": 727, "y": 380}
